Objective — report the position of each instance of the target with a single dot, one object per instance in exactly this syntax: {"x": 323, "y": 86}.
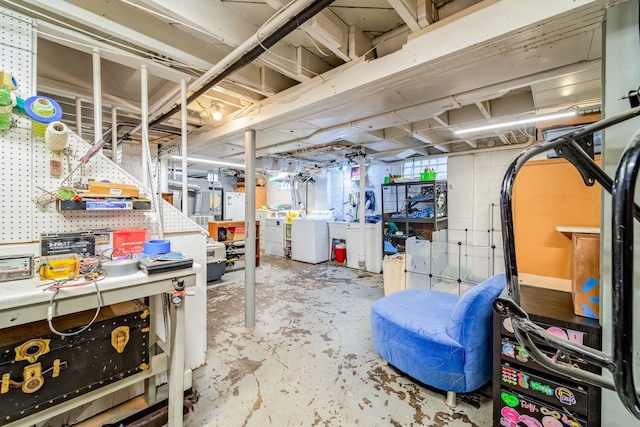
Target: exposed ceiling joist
{"x": 214, "y": 18}
{"x": 408, "y": 11}
{"x": 315, "y": 86}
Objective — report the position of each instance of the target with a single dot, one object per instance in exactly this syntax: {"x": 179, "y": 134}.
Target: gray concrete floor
{"x": 309, "y": 360}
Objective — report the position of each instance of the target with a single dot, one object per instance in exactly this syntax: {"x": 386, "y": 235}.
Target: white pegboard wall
{"x": 17, "y": 30}
{"x": 25, "y": 161}
{"x": 175, "y": 221}
{"x": 99, "y": 168}
{"x": 15, "y": 150}
{"x": 16, "y": 57}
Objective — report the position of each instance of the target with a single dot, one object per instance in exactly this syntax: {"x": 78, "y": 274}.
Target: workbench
{"x": 25, "y": 301}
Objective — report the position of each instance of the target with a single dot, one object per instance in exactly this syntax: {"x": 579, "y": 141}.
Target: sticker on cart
{"x": 509, "y": 376}
{"x": 531, "y": 413}
{"x": 576, "y": 336}
{"x": 508, "y": 350}
{"x": 509, "y": 399}
{"x": 549, "y": 421}
{"x": 530, "y": 421}
{"x": 510, "y": 414}
{"x": 565, "y": 396}
{"x": 522, "y": 354}
{"x": 559, "y": 332}
{"x": 507, "y": 324}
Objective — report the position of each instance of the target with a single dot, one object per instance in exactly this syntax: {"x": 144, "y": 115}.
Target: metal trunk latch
{"x": 120, "y": 338}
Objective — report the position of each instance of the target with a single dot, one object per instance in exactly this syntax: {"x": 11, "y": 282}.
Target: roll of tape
{"x": 56, "y": 136}
{"x": 35, "y": 107}
{"x": 153, "y": 247}
{"x": 120, "y": 267}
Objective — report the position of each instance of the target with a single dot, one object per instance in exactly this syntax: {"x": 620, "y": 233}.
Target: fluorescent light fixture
{"x": 209, "y": 162}
{"x": 518, "y": 122}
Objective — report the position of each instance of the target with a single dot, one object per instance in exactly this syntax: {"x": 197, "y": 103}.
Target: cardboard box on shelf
{"x": 585, "y": 286}
{"x": 113, "y": 189}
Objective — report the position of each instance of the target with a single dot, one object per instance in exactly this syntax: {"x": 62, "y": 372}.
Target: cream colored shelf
{"x": 572, "y": 229}
{"x": 545, "y": 282}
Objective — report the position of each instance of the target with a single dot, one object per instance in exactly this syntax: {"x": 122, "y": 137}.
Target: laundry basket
{"x": 393, "y": 275}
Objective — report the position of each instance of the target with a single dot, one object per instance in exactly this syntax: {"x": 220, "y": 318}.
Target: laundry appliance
{"x": 310, "y": 237}
{"x": 274, "y": 229}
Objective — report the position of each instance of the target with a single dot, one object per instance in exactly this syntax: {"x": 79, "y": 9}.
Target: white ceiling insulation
{"x": 396, "y": 78}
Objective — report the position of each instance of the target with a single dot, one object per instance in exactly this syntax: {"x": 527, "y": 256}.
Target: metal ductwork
{"x": 197, "y": 207}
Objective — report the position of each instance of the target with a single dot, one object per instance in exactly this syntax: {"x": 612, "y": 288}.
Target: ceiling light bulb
{"x": 217, "y": 114}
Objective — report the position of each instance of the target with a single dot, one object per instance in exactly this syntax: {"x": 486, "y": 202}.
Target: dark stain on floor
{"x": 306, "y": 323}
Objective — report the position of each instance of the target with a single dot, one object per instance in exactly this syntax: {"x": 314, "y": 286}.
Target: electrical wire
{"x": 282, "y": 58}
{"x": 93, "y": 275}
{"x": 313, "y": 42}
{"x": 56, "y": 290}
{"x": 170, "y": 18}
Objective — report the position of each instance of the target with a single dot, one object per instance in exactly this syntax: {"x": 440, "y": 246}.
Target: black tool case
{"x": 39, "y": 369}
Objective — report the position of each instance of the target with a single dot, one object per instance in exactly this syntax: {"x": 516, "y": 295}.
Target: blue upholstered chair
{"x": 440, "y": 339}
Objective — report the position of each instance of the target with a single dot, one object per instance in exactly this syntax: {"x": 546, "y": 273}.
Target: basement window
{"x": 412, "y": 169}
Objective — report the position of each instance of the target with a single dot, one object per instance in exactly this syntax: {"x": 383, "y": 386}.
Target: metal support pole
{"x": 114, "y": 135}
{"x": 183, "y": 120}
{"x": 97, "y": 97}
{"x": 250, "y": 230}
{"x": 144, "y": 115}
{"x": 176, "y": 368}
{"x": 150, "y": 181}
{"x": 79, "y": 117}
{"x": 362, "y": 258}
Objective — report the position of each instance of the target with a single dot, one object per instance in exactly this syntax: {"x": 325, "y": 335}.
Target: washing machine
{"x": 310, "y": 237}
{"x": 273, "y": 236}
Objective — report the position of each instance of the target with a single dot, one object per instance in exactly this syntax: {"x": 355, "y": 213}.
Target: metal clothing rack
{"x": 577, "y": 148}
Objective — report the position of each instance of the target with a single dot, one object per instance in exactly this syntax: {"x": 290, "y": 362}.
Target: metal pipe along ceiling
{"x": 297, "y": 20}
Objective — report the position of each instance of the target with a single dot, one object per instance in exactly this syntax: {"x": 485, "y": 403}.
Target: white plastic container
{"x": 393, "y": 274}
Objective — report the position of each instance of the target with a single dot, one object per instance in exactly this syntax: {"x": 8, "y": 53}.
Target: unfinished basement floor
{"x": 309, "y": 360}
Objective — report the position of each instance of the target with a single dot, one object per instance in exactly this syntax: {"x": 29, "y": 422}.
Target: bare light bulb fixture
{"x": 217, "y": 113}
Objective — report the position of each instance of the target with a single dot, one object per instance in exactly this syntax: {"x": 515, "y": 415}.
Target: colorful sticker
{"x": 511, "y": 400}
{"x": 576, "y": 336}
{"x": 507, "y": 324}
{"x": 558, "y": 332}
{"x": 510, "y": 414}
{"x": 565, "y": 396}
{"x": 549, "y": 421}
{"x": 523, "y": 354}
{"x": 530, "y": 421}
{"x": 550, "y": 418}
{"x": 508, "y": 350}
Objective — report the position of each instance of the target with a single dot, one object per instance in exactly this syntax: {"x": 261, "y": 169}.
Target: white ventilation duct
{"x": 197, "y": 206}
{"x": 267, "y": 162}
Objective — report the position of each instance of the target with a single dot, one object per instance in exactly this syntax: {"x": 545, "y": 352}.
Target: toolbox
{"x": 216, "y": 260}
{"x": 39, "y": 369}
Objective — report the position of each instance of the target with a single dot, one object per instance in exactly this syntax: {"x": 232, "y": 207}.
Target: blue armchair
{"x": 441, "y": 339}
